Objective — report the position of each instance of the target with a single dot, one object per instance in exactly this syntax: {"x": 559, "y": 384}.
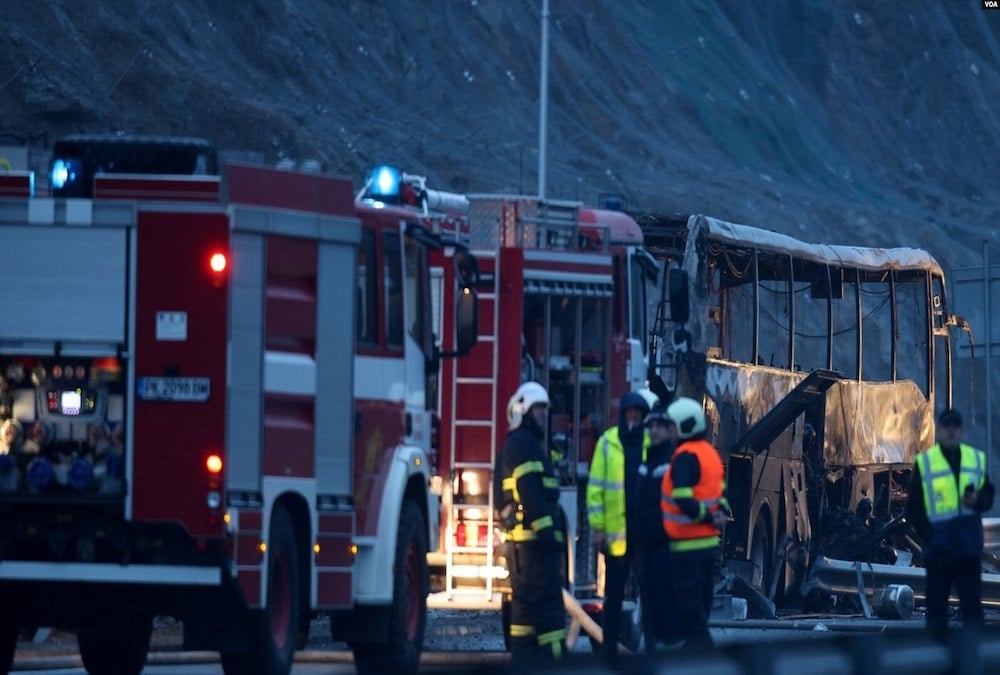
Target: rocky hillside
{"x": 854, "y": 121}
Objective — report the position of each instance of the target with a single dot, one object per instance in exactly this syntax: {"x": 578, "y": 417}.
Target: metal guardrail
{"x": 991, "y": 534}
{"x": 842, "y": 576}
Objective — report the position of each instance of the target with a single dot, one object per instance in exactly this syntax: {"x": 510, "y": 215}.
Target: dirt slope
{"x": 854, "y": 121}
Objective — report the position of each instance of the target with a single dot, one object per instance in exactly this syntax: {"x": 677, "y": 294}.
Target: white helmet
{"x": 652, "y": 400}
{"x": 527, "y": 395}
{"x": 689, "y": 417}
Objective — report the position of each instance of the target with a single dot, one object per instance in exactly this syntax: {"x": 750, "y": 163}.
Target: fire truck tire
{"x": 408, "y": 613}
{"x": 121, "y": 651}
{"x": 273, "y": 650}
{"x": 8, "y": 641}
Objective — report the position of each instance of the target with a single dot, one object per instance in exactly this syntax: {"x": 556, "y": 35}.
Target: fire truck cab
{"x": 217, "y": 402}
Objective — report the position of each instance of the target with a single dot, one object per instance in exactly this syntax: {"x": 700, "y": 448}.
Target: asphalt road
{"x": 455, "y": 640}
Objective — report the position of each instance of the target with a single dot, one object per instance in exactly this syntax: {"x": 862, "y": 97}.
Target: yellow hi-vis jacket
{"x": 942, "y": 493}
{"x": 606, "y": 489}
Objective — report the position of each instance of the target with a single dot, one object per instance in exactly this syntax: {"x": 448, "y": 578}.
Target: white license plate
{"x": 173, "y": 388}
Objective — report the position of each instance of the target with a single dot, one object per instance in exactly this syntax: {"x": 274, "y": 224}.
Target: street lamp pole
{"x": 987, "y": 308}
{"x": 543, "y": 99}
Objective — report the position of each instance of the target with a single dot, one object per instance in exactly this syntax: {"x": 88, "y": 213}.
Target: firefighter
{"x": 533, "y": 525}
{"x": 694, "y": 511}
{"x": 948, "y": 492}
{"x": 656, "y": 587}
{"x": 613, "y": 508}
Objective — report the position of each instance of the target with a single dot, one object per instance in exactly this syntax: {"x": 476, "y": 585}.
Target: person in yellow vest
{"x": 613, "y": 487}
{"x": 949, "y": 491}
{"x": 534, "y": 529}
{"x": 694, "y": 510}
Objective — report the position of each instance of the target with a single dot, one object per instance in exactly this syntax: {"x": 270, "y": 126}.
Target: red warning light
{"x": 218, "y": 262}
{"x": 214, "y": 464}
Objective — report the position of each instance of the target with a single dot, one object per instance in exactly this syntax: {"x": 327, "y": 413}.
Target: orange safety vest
{"x": 686, "y": 534}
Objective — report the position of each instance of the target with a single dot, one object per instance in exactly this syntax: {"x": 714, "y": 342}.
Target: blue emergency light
{"x": 386, "y": 184}
{"x": 65, "y": 172}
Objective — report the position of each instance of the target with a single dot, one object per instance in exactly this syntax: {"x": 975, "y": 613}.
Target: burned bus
{"x": 820, "y": 368}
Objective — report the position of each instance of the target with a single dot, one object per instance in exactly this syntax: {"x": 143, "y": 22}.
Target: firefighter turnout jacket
{"x": 528, "y": 488}
{"x": 692, "y": 488}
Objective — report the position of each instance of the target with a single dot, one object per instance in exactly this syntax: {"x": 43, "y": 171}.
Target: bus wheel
{"x": 760, "y": 553}
{"x": 408, "y": 613}
{"x": 273, "y": 648}
{"x": 8, "y": 641}
{"x": 122, "y": 651}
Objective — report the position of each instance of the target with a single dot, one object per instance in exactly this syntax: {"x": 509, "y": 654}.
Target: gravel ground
{"x": 447, "y": 630}
{"x": 467, "y": 630}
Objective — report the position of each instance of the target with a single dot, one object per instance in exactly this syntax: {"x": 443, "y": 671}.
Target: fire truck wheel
{"x": 408, "y": 614}
{"x": 274, "y": 651}
{"x": 121, "y": 651}
{"x": 8, "y": 641}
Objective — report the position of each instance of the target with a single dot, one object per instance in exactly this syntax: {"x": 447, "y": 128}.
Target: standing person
{"x": 659, "y": 610}
{"x": 613, "y": 508}
{"x": 694, "y": 511}
{"x": 949, "y": 490}
{"x": 532, "y": 522}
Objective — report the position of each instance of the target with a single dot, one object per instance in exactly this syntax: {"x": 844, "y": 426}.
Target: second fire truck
{"x": 562, "y": 301}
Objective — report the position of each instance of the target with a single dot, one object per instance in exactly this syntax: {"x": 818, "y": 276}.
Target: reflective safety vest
{"x": 687, "y": 534}
{"x": 942, "y": 492}
{"x": 606, "y": 488}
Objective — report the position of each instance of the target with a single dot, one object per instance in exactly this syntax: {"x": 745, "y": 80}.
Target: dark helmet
{"x": 633, "y": 399}
{"x": 658, "y": 414}
{"x": 950, "y": 418}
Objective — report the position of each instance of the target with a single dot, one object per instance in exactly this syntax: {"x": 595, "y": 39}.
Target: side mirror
{"x": 466, "y": 268}
{"x": 466, "y": 320}
{"x": 678, "y": 294}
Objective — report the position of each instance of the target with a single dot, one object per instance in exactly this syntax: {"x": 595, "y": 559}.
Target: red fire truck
{"x": 562, "y": 301}
{"x": 217, "y": 403}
